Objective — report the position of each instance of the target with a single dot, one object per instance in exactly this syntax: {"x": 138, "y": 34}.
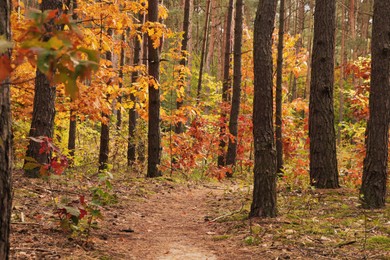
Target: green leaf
{"x": 31, "y": 166}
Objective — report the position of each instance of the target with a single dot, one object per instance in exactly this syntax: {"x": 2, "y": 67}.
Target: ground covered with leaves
{"x": 174, "y": 218}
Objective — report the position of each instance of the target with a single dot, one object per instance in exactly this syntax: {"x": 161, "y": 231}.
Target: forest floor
{"x": 169, "y": 218}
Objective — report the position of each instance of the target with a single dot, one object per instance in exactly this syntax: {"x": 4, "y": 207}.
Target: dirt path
{"x": 166, "y": 220}
{"x": 171, "y": 225}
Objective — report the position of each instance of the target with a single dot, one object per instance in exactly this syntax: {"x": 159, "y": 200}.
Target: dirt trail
{"x": 170, "y": 225}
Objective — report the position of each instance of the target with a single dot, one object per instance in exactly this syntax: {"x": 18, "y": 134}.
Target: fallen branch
{"x": 229, "y": 214}
{"x": 26, "y": 223}
{"x": 346, "y": 243}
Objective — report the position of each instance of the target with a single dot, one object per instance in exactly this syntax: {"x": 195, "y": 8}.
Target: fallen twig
{"x": 346, "y": 243}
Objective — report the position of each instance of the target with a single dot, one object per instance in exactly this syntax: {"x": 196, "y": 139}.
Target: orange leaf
{"x": 5, "y": 65}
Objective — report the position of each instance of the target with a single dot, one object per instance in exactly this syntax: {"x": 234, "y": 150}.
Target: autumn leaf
{"x": 5, "y": 65}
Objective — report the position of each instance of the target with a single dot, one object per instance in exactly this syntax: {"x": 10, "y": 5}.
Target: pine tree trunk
{"x": 341, "y": 81}
{"x": 373, "y": 188}
{"x": 179, "y": 127}
{"x": 5, "y": 142}
{"x": 226, "y": 85}
{"x": 323, "y": 162}
{"x": 72, "y": 113}
{"x": 279, "y": 77}
{"x": 44, "y": 106}
{"x": 264, "y": 192}
{"x": 203, "y": 53}
{"x": 154, "y": 139}
{"x": 133, "y": 115}
{"x": 105, "y": 126}
{"x": 235, "y": 108}
{"x": 120, "y": 75}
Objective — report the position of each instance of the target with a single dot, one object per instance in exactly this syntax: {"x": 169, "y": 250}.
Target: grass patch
{"x": 378, "y": 242}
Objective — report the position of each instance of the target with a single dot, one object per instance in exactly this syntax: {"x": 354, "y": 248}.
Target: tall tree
{"x": 373, "y": 188}
{"x": 264, "y": 192}
{"x": 226, "y": 85}
{"x": 323, "y": 162}
{"x": 121, "y": 77}
{"x": 203, "y": 53}
{"x": 279, "y": 77}
{"x": 104, "y": 146}
{"x": 73, "y": 115}
{"x": 131, "y": 148}
{"x": 179, "y": 128}
{"x": 42, "y": 123}
{"x": 154, "y": 139}
{"x": 5, "y": 141}
{"x": 235, "y": 108}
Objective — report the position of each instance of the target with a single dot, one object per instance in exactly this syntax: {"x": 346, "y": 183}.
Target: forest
{"x": 194, "y": 129}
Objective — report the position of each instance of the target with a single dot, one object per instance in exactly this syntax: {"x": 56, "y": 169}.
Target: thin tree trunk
{"x": 120, "y": 75}
{"x": 203, "y": 53}
{"x": 226, "y": 85}
{"x": 373, "y": 190}
{"x": 105, "y": 126}
{"x": 44, "y": 105}
{"x": 154, "y": 139}
{"x": 264, "y": 192}
{"x": 179, "y": 127}
{"x": 235, "y": 108}
{"x": 323, "y": 161}
{"x": 309, "y": 47}
{"x": 72, "y": 113}
{"x": 133, "y": 115}
{"x": 279, "y": 77}
{"x": 5, "y": 141}
{"x": 213, "y": 32}
{"x": 341, "y": 82}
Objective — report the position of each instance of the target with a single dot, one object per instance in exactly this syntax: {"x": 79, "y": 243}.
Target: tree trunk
{"x": 203, "y": 53}
{"x": 226, "y": 85}
{"x": 179, "y": 127}
{"x": 341, "y": 81}
{"x": 235, "y": 108}
{"x": 264, "y": 192}
{"x": 133, "y": 115}
{"x": 323, "y": 162}
{"x": 154, "y": 147}
{"x": 373, "y": 188}
{"x": 5, "y": 141}
{"x": 105, "y": 126}
{"x": 279, "y": 77}
{"x": 120, "y": 75}
{"x": 44, "y": 106}
{"x": 72, "y": 113}
{"x": 309, "y": 47}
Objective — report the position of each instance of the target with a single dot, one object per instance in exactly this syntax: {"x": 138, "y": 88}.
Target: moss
{"x": 219, "y": 238}
{"x": 378, "y": 242}
{"x": 252, "y": 241}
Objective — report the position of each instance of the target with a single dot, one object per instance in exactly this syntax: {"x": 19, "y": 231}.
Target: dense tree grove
{"x": 288, "y": 95}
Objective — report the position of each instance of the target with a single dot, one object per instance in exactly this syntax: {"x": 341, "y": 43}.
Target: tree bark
{"x": 203, "y": 53}
{"x": 264, "y": 192}
{"x": 72, "y": 113}
{"x": 105, "y": 126}
{"x": 179, "y": 127}
{"x": 133, "y": 115}
{"x": 5, "y": 141}
{"x": 154, "y": 139}
{"x": 121, "y": 78}
{"x": 44, "y": 104}
{"x": 226, "y": 85}
{"x": 323, "y": 162}
{"x": 279, "y": 77}
{"x": 341, "y": 81}
{"x": 373, "y": 190}
{"x": 235, "y": 108}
